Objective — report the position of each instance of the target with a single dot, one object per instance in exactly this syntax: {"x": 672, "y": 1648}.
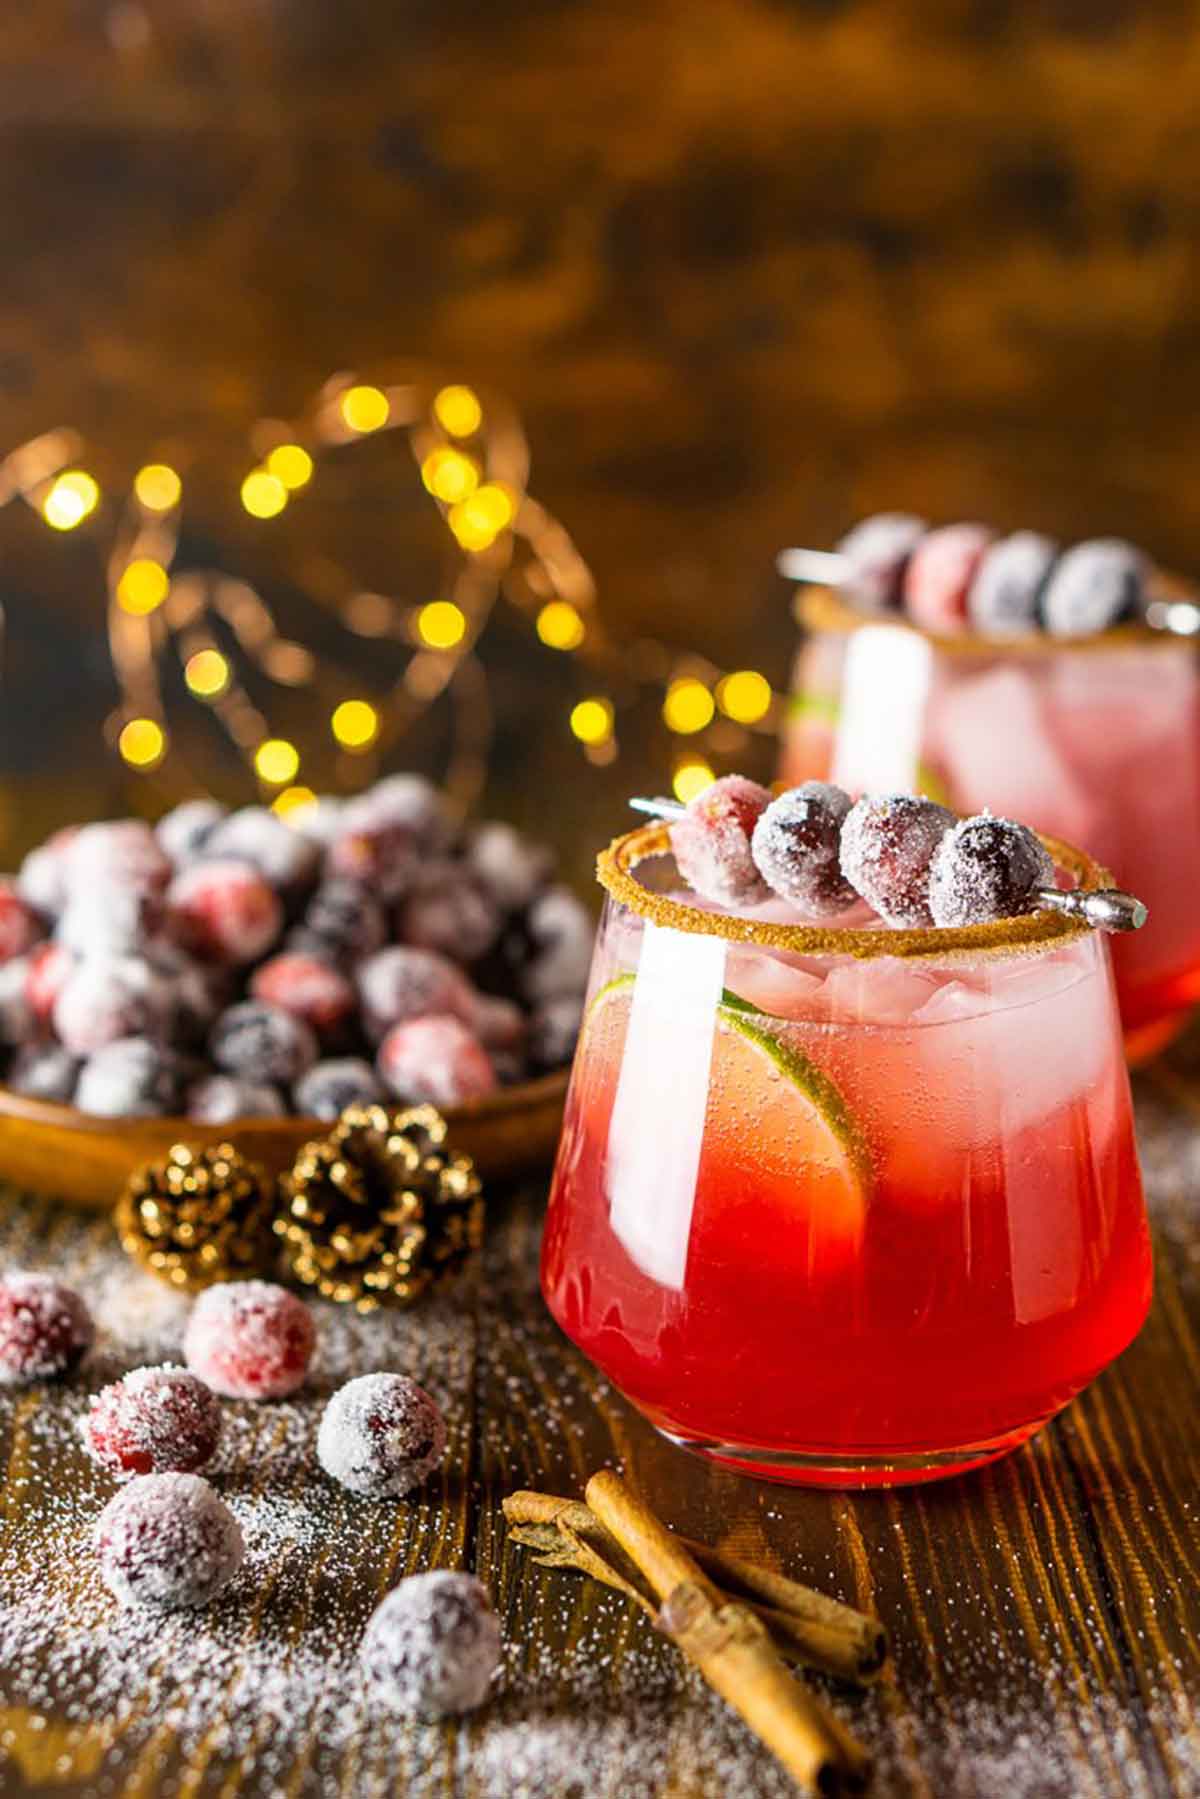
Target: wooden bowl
{"x": 67, "y": 1154}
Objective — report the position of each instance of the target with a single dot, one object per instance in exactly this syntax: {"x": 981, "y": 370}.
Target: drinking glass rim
{"x": 1006, "y": 936}
{"x": 825, "y": 609}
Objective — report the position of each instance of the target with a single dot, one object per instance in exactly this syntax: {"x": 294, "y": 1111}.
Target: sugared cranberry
{"x": 186, "y": 829}
{"x": 561, "y": 933}
{"x": 435, "y": 1059}
{"x": 448, "y": 912}
{"x": 503, "y": 1030}
{"x": 554, "y": 1031}
{"x": 711, "y": 842}
{"x": 888, "y": 844}
{"x": 1096, "y": 585}
{"x": 510, "y": 868}
{"x": 310, "y": 990}
{"x": 343, "y": 922}
{"x": 120, "y": 853}
{"x": 220, "y": 1098}
{"x": 224, "y": 911}
{"x": 44, "y": 875}
{"x": 432, "y": 1648}
{"x": 45, "y": 1071}
{"x": 381, "y": 1436}
{"x": 284, "y": 858}
{"x": 17, "y": 1022}
{"x": 940, "y": 573}
{"x": 250, "y": 1340}
{"x": 797, "y": 846}
{"x": 167, "y": 1540}
{"x": 47, "y": 973}
{"x": 20, "y": 926}
{"x": 329, "y": 1087}
{"x": 262, "y": 1042}
{"x": 402, "y": 982}
{"x": 131, "y": 1078}
{"x": 111, "y": 920}
{"x": 102, "y": 1000}
{"x": 987, "y": 868}
{"x": 1004, "y": 595}
{"x": 45, "y": 1328}
{"x": 154, "y": 1421}
{"x": 384, "y": 834}
{"x": 878, "y": 550}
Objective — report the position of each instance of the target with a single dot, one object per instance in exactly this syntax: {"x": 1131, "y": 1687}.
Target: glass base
{"x": 802, "y": 1468}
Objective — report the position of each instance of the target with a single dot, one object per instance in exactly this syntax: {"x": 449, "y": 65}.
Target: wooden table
{"x": 1045, "y": 1612}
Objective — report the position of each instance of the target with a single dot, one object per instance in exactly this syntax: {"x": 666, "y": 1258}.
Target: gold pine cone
{"x": 198, "y": 1217}
{"x": 379, "y": 1208}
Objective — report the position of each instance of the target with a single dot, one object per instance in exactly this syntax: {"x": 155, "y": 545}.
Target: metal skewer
{"x": 1103, "y": 908}
{"x": 829, "y": 568}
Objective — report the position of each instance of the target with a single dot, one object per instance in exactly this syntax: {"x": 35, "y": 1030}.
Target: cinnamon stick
{"x": 730, "y": 1646}
{"x": 804, "y": 1625}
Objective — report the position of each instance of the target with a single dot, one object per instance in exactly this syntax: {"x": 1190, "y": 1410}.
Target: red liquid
{"x": 928, "y": 1325}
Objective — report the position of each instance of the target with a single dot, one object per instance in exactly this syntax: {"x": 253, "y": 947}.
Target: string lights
{"x": 472, "y": 460}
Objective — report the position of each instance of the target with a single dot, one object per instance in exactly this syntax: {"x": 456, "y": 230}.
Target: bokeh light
{"x": 143, "y": 586}
{"x": 479, "y": 520}
{"x": 449, "y": 474}
{"x": 263, "y": 494}
{"x": 291, "y": 464}
{"x": 293, "y": 800}
{"x": 276, "y": 760}
{"x": 691, "y": 778}
{"x": 559, "y": 625}
{"x": 457, "y": 410}
{"x": 206, "y": 674}
{"x": 142, "y": 743}
{"x": 592, "y": 720}
{"x": 441, "y": 624}
{"x": 355, "y": 724}
{"x": 744, "y": 696}
{"x": 157, "y": 487}
{"x": 72, "y": 496}
{"x": 689, "y": 706}
{"x": 365, "y": 408}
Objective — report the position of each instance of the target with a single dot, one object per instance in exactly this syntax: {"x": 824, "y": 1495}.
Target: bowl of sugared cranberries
{"x": 240, "y": 974}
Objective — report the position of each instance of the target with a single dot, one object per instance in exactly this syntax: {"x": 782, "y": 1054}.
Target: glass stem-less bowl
{"x": 847, "y": 1207}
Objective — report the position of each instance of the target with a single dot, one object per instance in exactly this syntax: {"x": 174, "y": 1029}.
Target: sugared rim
{"x": 1008, "y": 936}
{"x": 824, "y": 609}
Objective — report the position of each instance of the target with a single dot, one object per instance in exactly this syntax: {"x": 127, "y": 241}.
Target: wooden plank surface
{"x": 1044, "y": 1612}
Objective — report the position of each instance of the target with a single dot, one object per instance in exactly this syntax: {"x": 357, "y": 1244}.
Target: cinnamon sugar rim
{"x": 1007, "y": 936}
{"x": 824, "y": 609}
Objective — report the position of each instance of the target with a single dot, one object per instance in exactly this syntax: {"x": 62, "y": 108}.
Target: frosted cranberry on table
{"x": 402, "y": 982}
{"x": 42, "y": 878}
{"x": 131, "y": 1078}
{"x": 262, "y": 1042}
{"x": 940, "y": 574}
{"x": 561, "y": 933}
{"x": 511, "y": 870}
{"x": 329, "y": 1087}
{"x": 46, "y": 972}
{"x": 104, "y": 999}
{"x": 286, "y": 859}
{"x": 380, "y": 1436}
{"x": 250, "y": 1340}
{"x": 224, "y": 911}
{"x": 435, "y": 1060}
{"x": 711, "y": 842}
{"x": 167, "y": 1540}
{"x": 446, "y": 911}
{"x": 45, "y": 1071}
{"x": 309, "y": 989}
{"x": 432, "y": 1647}
{"x": 122, "y": 852}
{"x": 186, "y": 829}
{"x": 45, "y": 1327}
{"x": 20, "y": 925}
{"x": 342, "y": 923}
{"x": 220, "y": 1098}
{"x": 154, "y": 1421}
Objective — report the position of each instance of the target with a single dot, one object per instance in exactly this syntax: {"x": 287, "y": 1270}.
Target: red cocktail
{"x": 846, "y": 1206}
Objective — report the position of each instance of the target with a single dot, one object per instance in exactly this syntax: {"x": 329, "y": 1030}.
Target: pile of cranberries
{"x": 229, "y": 965}
{"x": 908, "y": 858}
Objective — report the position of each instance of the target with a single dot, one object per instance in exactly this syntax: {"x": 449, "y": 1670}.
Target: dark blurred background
{"x": 748, "y": 268}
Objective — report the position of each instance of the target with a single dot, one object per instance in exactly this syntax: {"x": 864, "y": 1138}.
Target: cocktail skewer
{"x": 1103, "y": 908}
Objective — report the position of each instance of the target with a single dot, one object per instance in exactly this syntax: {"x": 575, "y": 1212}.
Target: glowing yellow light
{"x": 365, "y": 408}
{"x": 143, "y": 586}
{"x": 592, "y": 720}
{"x": 745, "y": 696}
{"x": 207, "y": 674}
{"x": 293, "y": 800}
{"x": 355, "y": 724}
{"x": 71, "y": 498}
{"x": 449, "y": 475}
{"x": 290, "y": 464}
{"x": 142, "y": 743}
{"x": 263, "y": 494}
{"x": 479, "y": 520}
{"x": 559, "y": 626}
{"x": 441, "y": 624}
{"x": 276, "y": 760}
{"x": 688, "y": 706}
{"x": 457, "y": 410}
{"x": 690, "y": 779}
{"x": 157, "y": 486}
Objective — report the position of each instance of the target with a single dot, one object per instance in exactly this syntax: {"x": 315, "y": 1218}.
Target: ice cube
{"x": 774, "y": 982}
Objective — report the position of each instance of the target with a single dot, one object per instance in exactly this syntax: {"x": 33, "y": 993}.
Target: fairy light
{"x": 143, "y": 586}
{"x": 744, "y": 696}
{"x": 291, "y": 464}
{"x": 72, "y": 496}
{"x": 365, "y": 409}
{"x": 142, "y": 743}
{"x": 263, "y": 494}
{"x": 441, "y": 624}
{"x": 457, "y": 410}
{"x": 478, "y": 521}
{"x": 206, "y": 674}
{"x": 691, "y": 778}
{"x": 449, "y": 475}
{"x": 355, "y": 724}
{"x": 559, "y": 626}
{"x": 293, "y": 801}
{"x": 688, "y": 707}
{"x": 276, "y": 761}
{"x": 592, "y": 720}
{"x": 157, "y": 487}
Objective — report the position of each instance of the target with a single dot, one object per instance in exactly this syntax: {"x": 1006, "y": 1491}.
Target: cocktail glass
{"x": 1096, "y": 740}
{"x": 845, "y": 1207}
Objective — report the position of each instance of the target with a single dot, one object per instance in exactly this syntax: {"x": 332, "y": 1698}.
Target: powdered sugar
{"x": 169, "y": 1539}
{"x": 381, "y": 1436}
